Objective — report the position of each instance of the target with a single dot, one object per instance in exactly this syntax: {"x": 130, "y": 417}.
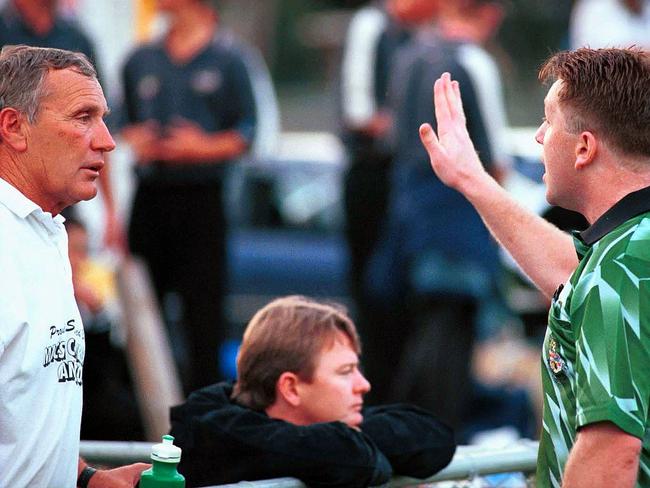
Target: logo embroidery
{"x": 555, "y": 361}
{"x": 206, "y": 82}
{"x": 148, "y": 87}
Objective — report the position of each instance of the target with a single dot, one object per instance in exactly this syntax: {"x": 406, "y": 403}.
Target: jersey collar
{"x": 629, "y": 206}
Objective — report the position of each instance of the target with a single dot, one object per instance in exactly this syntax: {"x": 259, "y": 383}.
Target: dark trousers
{"x": 435, "y": 367}
{"x": 180, "y": 233}
{"x": 366, "y": 188}
{"x": 367, "y": 184}
{"x": 110, "y": 408}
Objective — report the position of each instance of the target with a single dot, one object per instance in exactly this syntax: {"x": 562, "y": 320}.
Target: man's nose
{"x": 102, "y": 140}
{"x": 362, "y": 384}
{"x": 539, "y": 135}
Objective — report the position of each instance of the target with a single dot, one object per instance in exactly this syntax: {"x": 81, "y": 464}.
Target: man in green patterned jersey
{"x": 596, "y": 357}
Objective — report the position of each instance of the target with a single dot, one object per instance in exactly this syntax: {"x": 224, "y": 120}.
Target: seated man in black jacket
{"x": 296, "y": 410}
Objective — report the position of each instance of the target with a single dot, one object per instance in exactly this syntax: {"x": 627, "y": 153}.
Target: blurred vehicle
{"x": 286, "y": 227}
{"x": 286, "y": 221}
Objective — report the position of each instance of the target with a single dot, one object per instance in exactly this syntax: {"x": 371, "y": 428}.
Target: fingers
{"x": 427, "y": 135}
{"x": 443, "y": 114}
{"x": 447, "y": 102}
{"x": 458, "y": 99}
{"x": 447, "y": 99}
{"x": 449, "y": 94}
{"x": 430, "y": 141}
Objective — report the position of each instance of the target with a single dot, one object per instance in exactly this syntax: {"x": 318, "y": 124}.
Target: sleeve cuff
{"x": 611, "y": 412}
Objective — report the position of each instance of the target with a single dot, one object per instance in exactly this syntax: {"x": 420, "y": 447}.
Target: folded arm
{"x": 249, "y": 445}
{"x": 415, "y": 443}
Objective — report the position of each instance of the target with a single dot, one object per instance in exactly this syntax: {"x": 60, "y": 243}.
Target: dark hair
{"x": 607, "y": 92}
{"x": 288, "y": 334}
{"x": 23, "y": 70}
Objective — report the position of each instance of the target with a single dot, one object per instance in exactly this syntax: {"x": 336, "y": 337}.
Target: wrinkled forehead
{"x": 72, "y": 87}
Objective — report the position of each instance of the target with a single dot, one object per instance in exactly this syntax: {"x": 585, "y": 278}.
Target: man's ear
{"x": 287, "y": 388}
{"x": 586, "y": 149}
{"x": 13, "y": 129}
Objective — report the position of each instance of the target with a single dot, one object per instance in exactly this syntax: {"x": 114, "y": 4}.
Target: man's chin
{"x": 550, "y": 198}
{"x": 87, "y": 193}
{"x": 354, "y": 420}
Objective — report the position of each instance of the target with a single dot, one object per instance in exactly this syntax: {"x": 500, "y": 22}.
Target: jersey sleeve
{"x": 127, "y": 107}
{"x": 611, "y": 306}
{"x": 240, "y": 91}
{"x": 359, "y": 67}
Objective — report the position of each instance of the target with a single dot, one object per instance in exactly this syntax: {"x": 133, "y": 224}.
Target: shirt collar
{"x": 629, "y": 206}
{"x": 19, "y": 204}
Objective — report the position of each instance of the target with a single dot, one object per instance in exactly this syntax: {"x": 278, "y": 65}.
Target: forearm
{"x": 321, "y": 455}
{"x": 545, "y": 253}
{"x": 600, "y": 462}
{"x": 84, "y": 474}
{"x": 220, "y": 146}
{"x": 81, "y": 464}
{"x": 415, "y": 443}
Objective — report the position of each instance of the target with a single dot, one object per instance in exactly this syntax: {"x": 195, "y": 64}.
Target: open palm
{"x": 451, "y": 151}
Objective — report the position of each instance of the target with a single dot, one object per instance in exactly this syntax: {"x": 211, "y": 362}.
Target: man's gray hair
{"x": 23, "y": 70}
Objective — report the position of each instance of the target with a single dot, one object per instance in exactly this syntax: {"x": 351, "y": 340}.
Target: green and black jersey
{"x": 596, "y": 355}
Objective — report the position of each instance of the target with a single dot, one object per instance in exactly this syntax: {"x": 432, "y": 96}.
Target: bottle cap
{"x": 166, "y": 452}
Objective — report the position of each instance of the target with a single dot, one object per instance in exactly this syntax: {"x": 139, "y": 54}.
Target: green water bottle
{"x": 163, "y": 472}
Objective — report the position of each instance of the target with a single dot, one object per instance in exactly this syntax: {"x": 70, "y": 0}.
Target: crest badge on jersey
{"x": 555, "y": 362}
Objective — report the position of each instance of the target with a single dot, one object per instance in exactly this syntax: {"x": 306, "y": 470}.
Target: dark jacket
{"x": 224, "y": 442}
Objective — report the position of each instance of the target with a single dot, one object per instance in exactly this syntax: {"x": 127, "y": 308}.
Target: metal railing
{"x": 468, "y": 462}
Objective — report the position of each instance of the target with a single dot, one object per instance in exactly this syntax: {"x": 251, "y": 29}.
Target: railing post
{"x": 153, "y": 370}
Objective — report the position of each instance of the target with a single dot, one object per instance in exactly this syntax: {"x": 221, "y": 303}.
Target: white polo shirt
{"x": 41, "y": 348}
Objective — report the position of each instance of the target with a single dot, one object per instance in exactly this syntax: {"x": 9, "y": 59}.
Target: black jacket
{"x": 224, "y": 442}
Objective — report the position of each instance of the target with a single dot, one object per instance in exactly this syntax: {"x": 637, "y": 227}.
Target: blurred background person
{"x": 610, "y": 23}
{"x": 38, "y": 23}
{"x": 373, "y": 36}
{"x": 473, "y": 25}
{"x": 110, "y": 411}
{"x": 189, "y": 109}
{"x": 434, "y": 272}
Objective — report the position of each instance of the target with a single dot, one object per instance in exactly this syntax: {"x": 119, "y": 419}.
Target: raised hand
{"x": 451, "y": 151}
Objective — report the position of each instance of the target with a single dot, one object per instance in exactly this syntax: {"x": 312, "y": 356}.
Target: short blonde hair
{"x": 288, "y": 334}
